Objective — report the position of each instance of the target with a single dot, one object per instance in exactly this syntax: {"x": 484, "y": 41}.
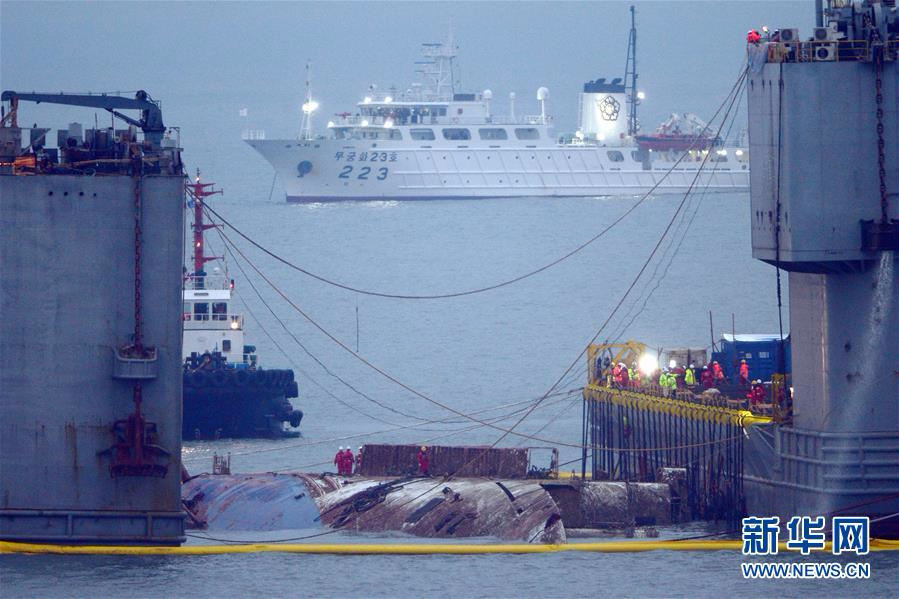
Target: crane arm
{"x": 151, "y": 115}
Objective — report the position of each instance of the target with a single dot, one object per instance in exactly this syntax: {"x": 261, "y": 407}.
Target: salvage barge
{"x": 91, "y": 222}
{"x": 823, "y": 209}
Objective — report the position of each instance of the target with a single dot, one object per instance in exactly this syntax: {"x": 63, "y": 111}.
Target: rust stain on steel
{"x": 513, "y": 510}
{"x": 258, "y": 502}
{"x": 402, "y": 460}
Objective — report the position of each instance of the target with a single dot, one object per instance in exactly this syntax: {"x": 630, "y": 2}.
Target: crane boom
{"x": 151, "y": 115}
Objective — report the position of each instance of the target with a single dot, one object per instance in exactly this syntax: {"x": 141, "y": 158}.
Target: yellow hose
{"x": 400, "y": 549}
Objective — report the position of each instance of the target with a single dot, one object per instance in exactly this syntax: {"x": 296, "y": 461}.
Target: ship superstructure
{"x": 91, "y": 223}
{"x": 434, "y": 142}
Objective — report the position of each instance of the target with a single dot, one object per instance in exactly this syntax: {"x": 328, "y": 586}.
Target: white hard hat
{"x": 360, "y": 447}
{"x": 341, "y": 447}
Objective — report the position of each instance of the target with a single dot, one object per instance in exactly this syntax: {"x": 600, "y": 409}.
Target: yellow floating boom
{"x": 402, "y": 549}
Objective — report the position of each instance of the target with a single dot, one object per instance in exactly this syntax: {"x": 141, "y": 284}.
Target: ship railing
{"x": 253, "y": 134}
{"x": 728, "y": 396}
{"x": 826, "y": 51}
{"x": 359, "y": 121}
{"x": 215, "y": 321}
{"x": 201, "y": 282}
{"x": 528, "y": 119}
{"x": 381, "y": 121}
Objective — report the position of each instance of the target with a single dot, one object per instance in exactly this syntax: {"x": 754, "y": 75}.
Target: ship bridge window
{"x": 393, "y": 134}
{"x": 456, "y": 134}
{"x": 226, "y": 345}
{"x": 421, "y": 134}
{"x": 346, "y": 133}
{"x": 615, "y": 156}
{"x": 201, "y": 311}
{"x": 219, "y": 311}
{"x": 527, "y": 133}
{"x": 496, "y": 133}
{"x": 638, "y": 155}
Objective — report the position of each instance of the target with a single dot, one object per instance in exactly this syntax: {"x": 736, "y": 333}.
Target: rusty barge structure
{"x": 90, "y": 335}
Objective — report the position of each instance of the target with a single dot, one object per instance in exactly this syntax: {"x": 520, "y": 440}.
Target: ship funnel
{"x": 602, "y": 111}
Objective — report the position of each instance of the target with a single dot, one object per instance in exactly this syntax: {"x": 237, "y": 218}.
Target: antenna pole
{"x": 630, "y": 75}
{"x": 308, "y": 106}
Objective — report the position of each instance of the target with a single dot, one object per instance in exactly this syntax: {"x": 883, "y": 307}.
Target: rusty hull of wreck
{"x": 511, "y": 510}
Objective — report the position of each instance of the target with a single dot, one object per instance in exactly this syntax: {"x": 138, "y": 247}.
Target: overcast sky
{"x": 252, "y": 53}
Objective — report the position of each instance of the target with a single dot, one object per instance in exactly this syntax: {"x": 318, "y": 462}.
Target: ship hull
{"x": 335, "y": 170}
{"x": 222, "y": 403}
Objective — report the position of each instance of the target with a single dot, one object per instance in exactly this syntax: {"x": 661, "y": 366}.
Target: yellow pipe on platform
{"x": 676, "y": 407}
{"x": 401, "y": 549}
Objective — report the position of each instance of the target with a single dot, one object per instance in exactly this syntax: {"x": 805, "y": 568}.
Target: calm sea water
{"x": 472, "y": 353}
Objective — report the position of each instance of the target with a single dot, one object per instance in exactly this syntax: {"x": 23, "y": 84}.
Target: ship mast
{"x": 630, "y": 76}
{"x": 438, "y": 69}
{"x": 198, "y": 192}
{"x": 309, "y": 106}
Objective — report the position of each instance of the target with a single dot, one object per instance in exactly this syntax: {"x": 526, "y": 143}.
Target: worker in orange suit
{"x": 717, "y": 373}
{"x": 744, "y": 373}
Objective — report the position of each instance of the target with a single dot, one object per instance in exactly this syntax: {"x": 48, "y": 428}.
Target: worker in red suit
{"x": 338, "y": 460}
{"x": 616, "y": 374}
{"x": 424, "y": 461}
{"x": 623, "y": 376}
{"x": 348, "y": 460}
{"x": 706, "y": 378}
{"x": 758, "y": 392}
{"x": 753, "y": 37}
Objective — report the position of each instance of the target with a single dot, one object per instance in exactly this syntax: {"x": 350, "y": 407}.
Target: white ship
{"x": 431, "y": 142}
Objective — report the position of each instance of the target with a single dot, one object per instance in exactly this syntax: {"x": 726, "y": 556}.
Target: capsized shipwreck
{"x": 498, "y": 493}
{"x": 511, "y": 510}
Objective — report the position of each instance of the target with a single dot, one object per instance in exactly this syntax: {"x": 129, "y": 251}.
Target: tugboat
{"x": 226, "y": 393}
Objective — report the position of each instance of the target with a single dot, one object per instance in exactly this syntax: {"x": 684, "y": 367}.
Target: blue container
{"x": 759, "y": 351}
